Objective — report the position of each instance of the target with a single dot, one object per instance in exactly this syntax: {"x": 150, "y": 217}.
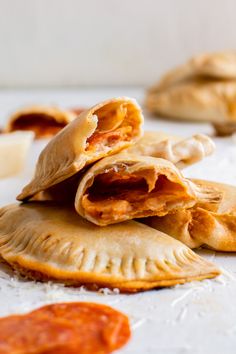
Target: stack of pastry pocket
{"x": 93, "y": 177}
{"x": 203, "y": 89}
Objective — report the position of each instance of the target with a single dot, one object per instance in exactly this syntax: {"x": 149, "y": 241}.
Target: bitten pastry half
{"x": 103, "y": 130}
{"x": 45, "y": 241}
{"x": 207, "y": 224}
{"x": 180, "y": 151}
{"x": 44, "y": 121}
{"x": 123, "y": 187}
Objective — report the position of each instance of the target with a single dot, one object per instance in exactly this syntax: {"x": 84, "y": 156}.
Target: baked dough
{"x": 123, "y": 187}
{"x": 203, "y": 89}
{"x": 44, "y": 121}
{"x": 104, "y": 129}
{"x": 181, "y": 151}
{"x": 208, "y": 224}
{"x": 196, "y": 99}
{"x": 45, "y": 241}
{"x": 220, "y": 65}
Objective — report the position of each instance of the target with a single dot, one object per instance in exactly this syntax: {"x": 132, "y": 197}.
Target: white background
{"x": 106, "y": 42}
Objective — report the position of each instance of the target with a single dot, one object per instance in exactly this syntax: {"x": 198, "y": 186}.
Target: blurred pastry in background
{"x": 14, "y": 148}
{"x": 209, "y": 65}
{"x": 44, "y": 121}
{"x": 203, "y": 89}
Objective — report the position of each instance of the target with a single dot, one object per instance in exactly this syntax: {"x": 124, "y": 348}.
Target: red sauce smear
{"x": 65, "y": 328}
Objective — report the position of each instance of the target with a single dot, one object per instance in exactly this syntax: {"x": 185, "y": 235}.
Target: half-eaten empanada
{"x": 209, "y": 224}
{"x": 181, "y": 152}
{"x": 44, "y": 241}
{"x": 104, "y": 129}
{"x": 42, "y": 120}
{"x": 123, "y": 187}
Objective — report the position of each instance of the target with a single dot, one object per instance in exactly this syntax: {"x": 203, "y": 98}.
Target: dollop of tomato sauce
{"x": 65, "y": 328}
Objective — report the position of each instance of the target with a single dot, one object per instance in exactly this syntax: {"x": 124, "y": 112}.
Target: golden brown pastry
{"x": 123, "y": 187}
{"x": 196, "y": 99}
{"x": 14, "y": 148}
{"x": 42, "y": 120}
{"x": 220, "y": 65}
{"x": 103, "y": 130}
{"x": 182, "y": 152}
{"x": 44, "y": 241}
{"x": 209, "y": 224}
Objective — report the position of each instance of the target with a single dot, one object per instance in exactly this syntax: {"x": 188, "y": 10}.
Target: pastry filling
{"x": 115, "y": 196}
{"x": 116, "y": 124}
{"x": 41, "y": 124}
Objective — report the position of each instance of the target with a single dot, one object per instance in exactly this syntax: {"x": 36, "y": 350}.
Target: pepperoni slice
{"x": 66, "y": 328}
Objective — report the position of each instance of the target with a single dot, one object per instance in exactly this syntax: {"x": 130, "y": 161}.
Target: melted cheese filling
{"x": 116, "y": 197}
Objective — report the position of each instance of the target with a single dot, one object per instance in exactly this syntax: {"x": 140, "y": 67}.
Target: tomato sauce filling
{"x": 42, "y": 125}
{"x": 116, "y": 196}
{"x": 116, "y": 123}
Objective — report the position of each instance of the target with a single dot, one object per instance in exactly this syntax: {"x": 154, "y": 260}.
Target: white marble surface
{"x": 195, "y": 318}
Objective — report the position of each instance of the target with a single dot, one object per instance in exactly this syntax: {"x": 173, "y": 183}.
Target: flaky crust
{"x": 211, "y": 225}
{"x": 147, "y": 167}
{"x": 66, "y": 154}
{"x": 46, "y": 240}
